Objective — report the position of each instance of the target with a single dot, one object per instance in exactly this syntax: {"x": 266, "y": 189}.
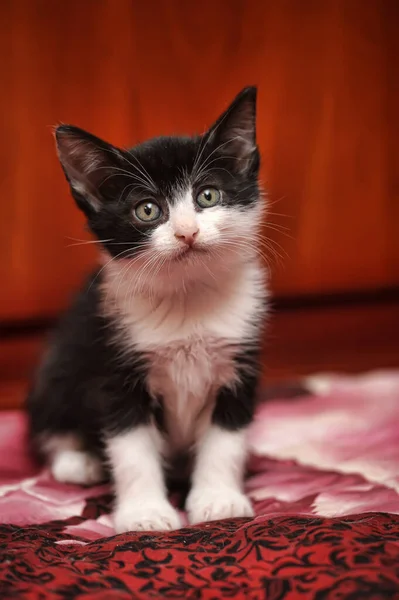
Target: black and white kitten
{"x": 159, "y": 356}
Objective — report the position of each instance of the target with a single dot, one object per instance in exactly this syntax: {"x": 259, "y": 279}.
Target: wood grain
{"x": 124, "y": 69}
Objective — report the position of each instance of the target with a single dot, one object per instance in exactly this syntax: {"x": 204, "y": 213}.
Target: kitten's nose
{"x": 187, "y": 236}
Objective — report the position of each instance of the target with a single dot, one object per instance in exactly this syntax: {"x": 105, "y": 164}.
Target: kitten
{"x": 159, "y": 356}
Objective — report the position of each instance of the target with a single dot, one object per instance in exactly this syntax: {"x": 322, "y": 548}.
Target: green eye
{"x": 147, "y": 211}
{"x": 209, "y": 197}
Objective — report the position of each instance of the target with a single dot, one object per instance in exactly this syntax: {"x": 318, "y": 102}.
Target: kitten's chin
{"x": 202, "y": 265}
{"x": 201, "y": 262}
{"x": 190, "y": 254}
{"x": 182, "y": 270}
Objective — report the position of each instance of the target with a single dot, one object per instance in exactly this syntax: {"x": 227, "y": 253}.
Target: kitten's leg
{"x": 141, "y": 496}
{"x": 218, "y": 478}
{"x": 217, "y": 484}
{"x": 69, "y": 463}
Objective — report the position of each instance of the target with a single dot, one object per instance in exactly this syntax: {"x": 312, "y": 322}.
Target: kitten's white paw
{"x": 76, "y": 466}
{"x": 146, "y": 514}
{"x": 208, "y": 504}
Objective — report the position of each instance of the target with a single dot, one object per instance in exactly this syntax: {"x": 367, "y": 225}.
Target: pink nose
{"x": 187, "y": 237}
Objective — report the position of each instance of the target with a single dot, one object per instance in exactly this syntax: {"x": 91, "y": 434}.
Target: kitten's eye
{"x": 209, "y": 197}
{"x": 147, "y": 211}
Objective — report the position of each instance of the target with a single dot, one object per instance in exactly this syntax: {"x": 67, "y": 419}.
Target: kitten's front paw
{"x": 208, "y": 504}
{"x": 146, "y": 514}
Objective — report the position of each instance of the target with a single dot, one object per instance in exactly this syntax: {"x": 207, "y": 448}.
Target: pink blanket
{"x": 333, "y": 453}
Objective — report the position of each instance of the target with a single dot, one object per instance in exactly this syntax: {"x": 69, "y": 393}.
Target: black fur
{"x": 235, "y": 407}
{"x": 83, "y": 386}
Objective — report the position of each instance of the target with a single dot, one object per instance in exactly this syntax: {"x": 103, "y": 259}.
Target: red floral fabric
{"x": 281, "y": 558}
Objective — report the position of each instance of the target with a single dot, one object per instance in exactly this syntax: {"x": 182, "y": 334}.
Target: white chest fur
{"x": 190, "y": 341}
{"x": 186, "y": 375}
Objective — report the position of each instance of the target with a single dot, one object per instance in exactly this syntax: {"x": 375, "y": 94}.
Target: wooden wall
{"x": 125, "y": 69}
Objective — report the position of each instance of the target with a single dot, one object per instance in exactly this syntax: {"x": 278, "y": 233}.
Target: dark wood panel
{"x": 328, "y": 126}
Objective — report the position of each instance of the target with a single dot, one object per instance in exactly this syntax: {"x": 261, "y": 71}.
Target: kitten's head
{"x": 179, "y": 209}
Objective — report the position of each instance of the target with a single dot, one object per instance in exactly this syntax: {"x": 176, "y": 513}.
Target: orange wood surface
{"x": 125, "y": 69}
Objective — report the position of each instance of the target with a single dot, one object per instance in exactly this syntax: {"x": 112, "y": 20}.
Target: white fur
{"x": 140, "y": 489}
{"x": 190, "y": 341}
{"x": 217, "y": 481}
{"x": 69, "y": 463}
{"x": 188, "y": 317}
{"x": 75, "y": 466}
{"x": 184, "y": 219}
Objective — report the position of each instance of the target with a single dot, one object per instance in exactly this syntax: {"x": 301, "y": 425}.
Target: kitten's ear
{"x": 235, "y": 130}
{"x": 87, "y": 162}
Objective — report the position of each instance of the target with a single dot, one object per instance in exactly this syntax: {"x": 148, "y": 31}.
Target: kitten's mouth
{"x": 189, "y": 252}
